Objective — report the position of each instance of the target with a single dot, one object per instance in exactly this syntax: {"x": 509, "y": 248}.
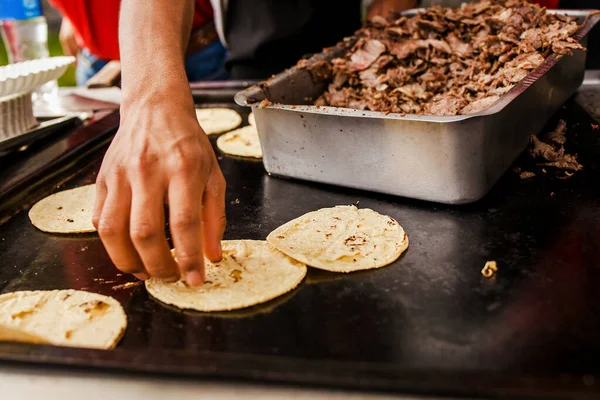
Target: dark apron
{"x": 266, "y": 36}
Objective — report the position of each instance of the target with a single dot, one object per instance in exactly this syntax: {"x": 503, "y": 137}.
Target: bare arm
{"x": 67, "y": 38}
{"x": 385, "y": 7}
{"x": 160, "y": 152}
{"x": 153, "y": 35}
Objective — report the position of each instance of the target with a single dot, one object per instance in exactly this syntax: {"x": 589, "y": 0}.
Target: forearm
{"x": 153, "y": 36}
{"x": 385, "y": 7}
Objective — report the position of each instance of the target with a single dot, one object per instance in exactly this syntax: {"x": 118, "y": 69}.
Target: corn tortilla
{"x": 251, "y": 272}
{"x": 243, "y": 142}
{"x": 69, "y": 211}
{"x": 70, "y": 318}
{"x": 341, "y": 239}
{"x": 217, "y": 120}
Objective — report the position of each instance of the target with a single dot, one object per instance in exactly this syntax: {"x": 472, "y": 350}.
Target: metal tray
{"x": 452, "y": 160}
{"x": 41, "y": 131}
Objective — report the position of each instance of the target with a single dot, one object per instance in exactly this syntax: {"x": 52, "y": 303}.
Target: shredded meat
{"x": 366, "y": 54}
{"x": 444, "y": 61}
{"x": 550, "y": 152}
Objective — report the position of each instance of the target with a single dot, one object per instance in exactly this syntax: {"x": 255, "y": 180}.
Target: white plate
{"x": 26, "y": 76}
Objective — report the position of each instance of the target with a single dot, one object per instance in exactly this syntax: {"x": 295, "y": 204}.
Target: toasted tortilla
{"x": 70, "y": 318}
{"x": 251, "y": 272}
{"x": 341, "y": 239}
{"x": 218, "y": 120}
{"x": 69, "y": 211}
{"x": 243, "y": 142}
{"x": 252, "y": 119}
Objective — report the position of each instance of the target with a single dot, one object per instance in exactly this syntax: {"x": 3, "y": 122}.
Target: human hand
{"x": 67, "y": 39}
{"x": 160, "y": 152}
{"x": 383, "y": 8}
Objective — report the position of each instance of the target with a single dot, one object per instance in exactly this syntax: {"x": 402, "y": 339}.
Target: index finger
{"x": 185, "y": 215}
{"x": 213, "y": 211}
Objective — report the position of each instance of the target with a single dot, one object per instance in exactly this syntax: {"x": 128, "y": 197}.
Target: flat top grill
{"x": 428, "y": 323}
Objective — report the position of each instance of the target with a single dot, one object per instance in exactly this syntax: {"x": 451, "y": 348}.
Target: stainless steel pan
{"x": 451, "y": 160}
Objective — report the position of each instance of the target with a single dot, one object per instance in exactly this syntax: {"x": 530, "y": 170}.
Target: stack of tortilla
{"x": 242, "y": 142}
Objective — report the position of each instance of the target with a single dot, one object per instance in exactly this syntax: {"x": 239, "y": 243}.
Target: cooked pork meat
{"x": 550, "y": 152}
{"x": 444, "y": 61}
{"x": 366, "y": 54}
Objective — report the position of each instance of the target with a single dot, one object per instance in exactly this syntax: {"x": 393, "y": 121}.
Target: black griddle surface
{"x": 428, "y": 323}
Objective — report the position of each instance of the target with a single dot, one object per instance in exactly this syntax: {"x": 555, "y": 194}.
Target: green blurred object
{"x": 68, "y": 79}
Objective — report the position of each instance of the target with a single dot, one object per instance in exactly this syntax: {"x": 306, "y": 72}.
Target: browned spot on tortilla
{"x": 65, "y": 296}
{"x": 232, "y": 138}
{"x": 95, "y": 308}
{"x": 236, "y": 274}
{"x": 23, "y": 314}
{"x": 68, "y": 334}
{"x": 59, "y": 208}
{"x": 337, "y": 218}
{"x": 280, "y": 237}
{"x": 355, "y": 241}
{"x": 70, "y": 220}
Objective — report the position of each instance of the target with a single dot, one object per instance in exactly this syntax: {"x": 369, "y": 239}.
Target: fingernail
{"x": 194, "y": 278}
{"x": 142, "y": 276}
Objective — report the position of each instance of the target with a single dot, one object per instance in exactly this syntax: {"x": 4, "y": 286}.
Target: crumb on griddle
{"x": 127, "y": 285}
{"x": 490, "y": 269}
{"x": 527, "y": 175}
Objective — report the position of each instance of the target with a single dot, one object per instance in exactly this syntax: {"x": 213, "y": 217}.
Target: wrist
{"x": 163, "y": 96}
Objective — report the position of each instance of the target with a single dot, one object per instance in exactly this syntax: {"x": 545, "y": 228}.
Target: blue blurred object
{"x": 205, "y": 65}
{"x": 20, "y": 9}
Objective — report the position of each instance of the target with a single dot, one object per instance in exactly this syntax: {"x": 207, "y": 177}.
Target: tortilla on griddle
{"x": 243, "y": 142}
{"x": 341, "y": 239}
{"x": 69, "y": 211}
{"x": 217, "y": 120}
{"x": 251, "y": 272}
{"x": 70, "y": 318}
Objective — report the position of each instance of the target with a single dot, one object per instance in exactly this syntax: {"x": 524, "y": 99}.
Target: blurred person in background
{"x": 90, "y": 31}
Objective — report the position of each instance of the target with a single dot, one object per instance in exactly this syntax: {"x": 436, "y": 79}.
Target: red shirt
{"x": 96, "y": 23}
{"x": 550, "y": 4}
